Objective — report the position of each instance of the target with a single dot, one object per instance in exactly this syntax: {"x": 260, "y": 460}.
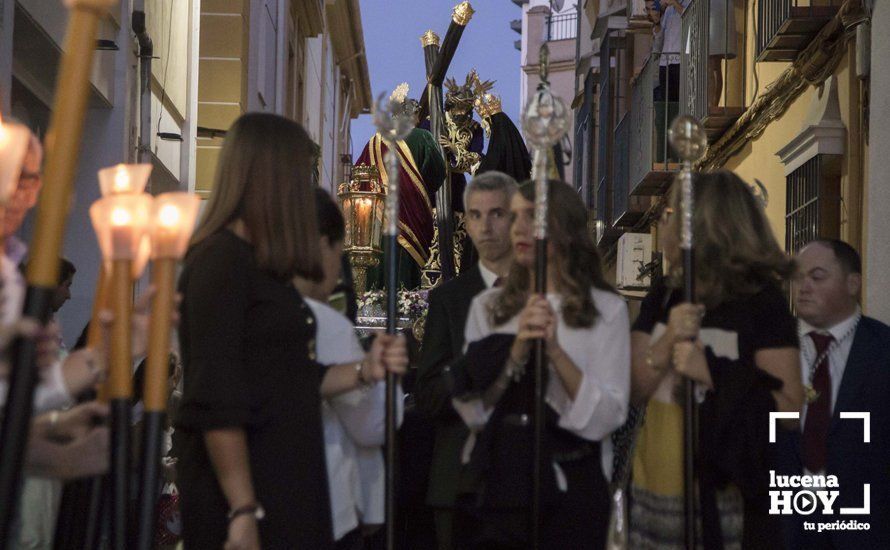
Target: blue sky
{"x": 392, "y": 42}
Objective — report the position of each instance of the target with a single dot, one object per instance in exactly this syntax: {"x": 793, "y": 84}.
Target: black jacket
{"x": 865, "y": 387}
{"x": 443, "y": 342}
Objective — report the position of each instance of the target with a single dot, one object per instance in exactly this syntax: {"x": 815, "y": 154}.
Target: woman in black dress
{"x": 738, "y": 342}
{"x": 584, "y": 324}
{"x": 252, "y": 469}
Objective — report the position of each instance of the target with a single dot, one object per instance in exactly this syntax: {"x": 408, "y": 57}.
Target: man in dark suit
{"x": 845, "y": 360}
{"x": 487, "y": 207}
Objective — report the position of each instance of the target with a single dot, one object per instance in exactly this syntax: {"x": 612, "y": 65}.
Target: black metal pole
{"x": 96, "y": 512}
{"x": 17, "y": 412}
{"x": 391, "y": 259}
{"x": 149, "y": 488}
{"x": 120, "y": 473}
{"x": 540, "y": 368}
{"x": 690, "y": 419}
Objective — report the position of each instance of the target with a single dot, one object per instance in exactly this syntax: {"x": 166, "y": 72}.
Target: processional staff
{"x": 393, "y": 126}
{"x": 688, "y": 138}
{"x": 545, "y": 121}
{"x": 63, "y": 144}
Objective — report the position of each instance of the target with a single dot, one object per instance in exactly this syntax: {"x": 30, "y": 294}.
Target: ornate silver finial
{"x": 390, "y": 125}
{"x": 545, "y": 121}
{"x": 688, "y": 138}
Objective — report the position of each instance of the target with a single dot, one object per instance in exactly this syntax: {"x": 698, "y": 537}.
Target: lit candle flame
{"x": 169, "y": 216}
{"x": 120, "y": 217}
{"x": 121, "y": 179}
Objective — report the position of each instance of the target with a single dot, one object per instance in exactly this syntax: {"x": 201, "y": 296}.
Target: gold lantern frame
{"x": 362, "y": 199}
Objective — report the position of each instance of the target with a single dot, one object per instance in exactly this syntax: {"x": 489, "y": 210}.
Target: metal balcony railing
{"x": 787, "y": 26}
{"x": 712, "y": 65}
{"x": 654, "y": 105}
{"x": 563, "y": 26}
{"x": 620, "y": 165}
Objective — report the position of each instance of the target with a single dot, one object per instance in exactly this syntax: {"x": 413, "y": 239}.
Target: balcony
{"x": 563, "y": 26}
{"x": 712, "y": 69}
{"x": 610, "y": 102}
{"x": 787, "y": 26}
{"x": 627, "y": 210}
{"x": 654, "y": 104}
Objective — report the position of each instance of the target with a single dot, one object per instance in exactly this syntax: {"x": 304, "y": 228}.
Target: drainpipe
{"x": 146, "y": 51}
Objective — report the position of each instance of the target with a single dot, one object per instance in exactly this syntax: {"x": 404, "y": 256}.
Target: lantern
{"x": 362, "y": 199}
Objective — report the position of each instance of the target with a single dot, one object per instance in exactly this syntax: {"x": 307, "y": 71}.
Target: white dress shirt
{"x": 601, "y": 352}
{"x": 837, "y": 358}
{"x": 51, "y": 392}
{"x": 488, "y": 276}
{"x": 354, "y": 424}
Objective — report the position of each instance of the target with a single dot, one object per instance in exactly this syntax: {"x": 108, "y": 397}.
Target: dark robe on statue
{"x": 506, "y": 152}
{"x": 421, "y": 171}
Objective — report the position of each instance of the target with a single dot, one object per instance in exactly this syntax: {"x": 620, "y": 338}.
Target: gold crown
{"x": 462, "y": 13}
{"x": 488, "y": 105}
{"x": 429, "y": 38}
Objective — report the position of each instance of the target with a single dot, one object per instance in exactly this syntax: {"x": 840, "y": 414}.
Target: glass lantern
{"x": 362, "y": 199}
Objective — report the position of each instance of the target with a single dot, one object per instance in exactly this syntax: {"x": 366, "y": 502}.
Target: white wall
{"x": 877, "y": 250}
{"x": 107, "y": 141}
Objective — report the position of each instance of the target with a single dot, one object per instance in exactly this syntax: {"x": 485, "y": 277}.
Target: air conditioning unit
{"x": 634, "y": 251}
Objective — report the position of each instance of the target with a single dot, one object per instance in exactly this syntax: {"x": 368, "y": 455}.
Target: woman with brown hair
{"x": 738, "y": 342}
{"x": 584, "y": 325}
{"x": 252, "y": 467}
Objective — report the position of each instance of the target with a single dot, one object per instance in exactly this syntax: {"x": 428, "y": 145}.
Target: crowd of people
{"x": 278, "y": 429}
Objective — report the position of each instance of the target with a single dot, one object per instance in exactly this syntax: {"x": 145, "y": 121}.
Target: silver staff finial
{"x": 388, "y": 120}
{"x": 688, "y": 138}
{"x": 544, "y": 122}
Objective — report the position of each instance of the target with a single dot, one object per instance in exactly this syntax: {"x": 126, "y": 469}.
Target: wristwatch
{"x": 256, "y": 510}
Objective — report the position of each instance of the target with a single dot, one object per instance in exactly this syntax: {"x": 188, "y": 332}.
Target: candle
{"x": 14, "y": 140}
{"x": 173, "y": 218}
{"x": 124, "y": 179}
{"x": 363, "y": 221}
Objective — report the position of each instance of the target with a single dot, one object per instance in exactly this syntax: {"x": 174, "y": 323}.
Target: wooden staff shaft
{"x": 120, "y": 367}
{"x": 94, "y": 332}
{"x": 120, "y": 390}
{"x": 63, "y": 142}
{"x": 158, "y": 364}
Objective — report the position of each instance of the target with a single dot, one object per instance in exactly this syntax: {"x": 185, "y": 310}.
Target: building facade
{"x": 788, "y": 93}
{"x": 210, "y": 61}
{"x": 542, "y": 23}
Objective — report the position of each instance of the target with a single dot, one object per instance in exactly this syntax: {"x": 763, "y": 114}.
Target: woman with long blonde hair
{"x": 738, "y": 343}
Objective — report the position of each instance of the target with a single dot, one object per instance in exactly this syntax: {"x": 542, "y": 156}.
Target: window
{"x": 812, "y": 209}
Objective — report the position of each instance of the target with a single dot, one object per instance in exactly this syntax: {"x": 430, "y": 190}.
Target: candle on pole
{"x": 545, "y": 121}
{"x": 121, "y": 179}
{"x": 120, "y": 222}
{"x": 63, "y": 144}
{"x": 393, "y": 127}
{"x": 172, "y": 221}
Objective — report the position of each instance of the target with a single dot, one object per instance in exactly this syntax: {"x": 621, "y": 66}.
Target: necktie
{"x": 815, "y": 430}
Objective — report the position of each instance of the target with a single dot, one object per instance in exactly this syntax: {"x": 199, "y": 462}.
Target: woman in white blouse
{"x": 584, "y": 324}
